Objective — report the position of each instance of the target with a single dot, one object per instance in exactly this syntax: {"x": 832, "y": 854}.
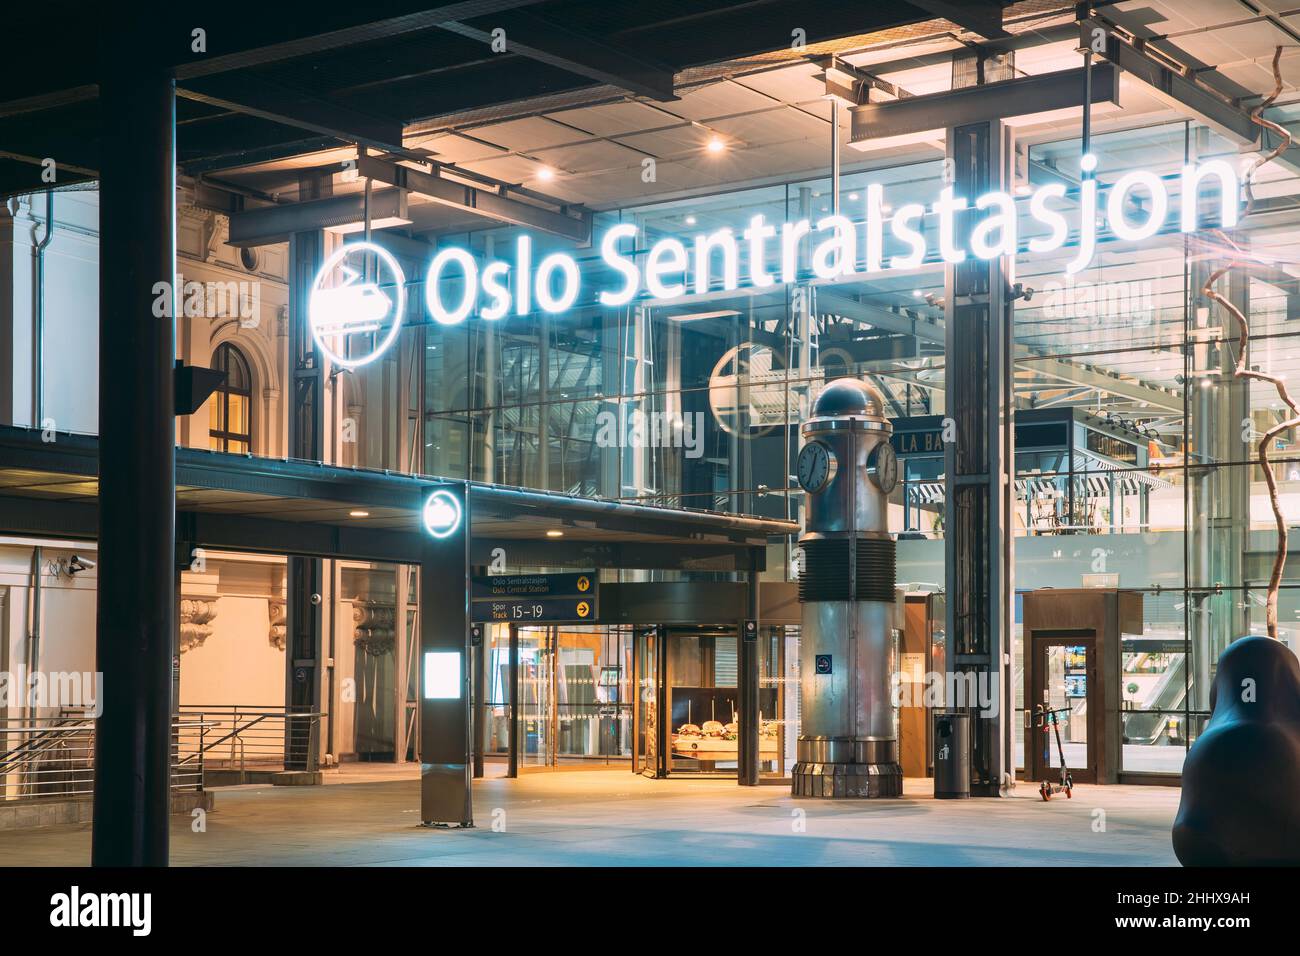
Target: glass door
{"x": 591, "y": 694}
{"x": 649, "y": 731}
{"x": 704, "y": 700}
{"x": 778, "y": 699}
{"x": 1063, "y": 699}
{"x": 536, "y": 697}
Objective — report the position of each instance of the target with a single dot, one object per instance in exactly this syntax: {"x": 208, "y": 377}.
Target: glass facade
{"x": 1134, "y": 440}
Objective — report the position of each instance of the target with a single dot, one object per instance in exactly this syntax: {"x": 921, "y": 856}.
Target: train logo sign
{"x": 442, "y": 514}
{"x": 356, "y": 305}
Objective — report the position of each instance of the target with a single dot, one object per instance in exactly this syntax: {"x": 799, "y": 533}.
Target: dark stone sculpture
{"x": 1241, "y": 781}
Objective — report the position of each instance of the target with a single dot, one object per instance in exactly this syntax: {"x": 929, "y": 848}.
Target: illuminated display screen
{"x": 442, "y": 675}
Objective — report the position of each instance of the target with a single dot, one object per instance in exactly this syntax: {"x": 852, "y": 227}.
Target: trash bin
{"x": 951, "y": 755}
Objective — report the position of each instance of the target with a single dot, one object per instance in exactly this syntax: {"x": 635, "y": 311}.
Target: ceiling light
{"x": 383, "y": 222}
{"x": 716, "y": 145}
{"x": 853, "y": 197}
{"x": 554, "y": 534}
{"x": 545, "y": 174}
{"x": 692, "y": 316}
{"x": 358, "y": 514}
{"x": 690, "y": 220}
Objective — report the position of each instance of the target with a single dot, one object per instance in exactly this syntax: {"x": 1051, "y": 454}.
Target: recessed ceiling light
{"x": 716, "y": 145}
{"x": 358, "y": 514}
{"x": 690, "y": 220}
{"x": 555, "y": 534}
{"x": 546, "y": 174}
{"x": 853, "y": 197}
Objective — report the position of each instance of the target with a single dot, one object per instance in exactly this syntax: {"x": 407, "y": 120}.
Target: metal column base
{"x": 845, "y": 768}
{"x": 852, "y": 781}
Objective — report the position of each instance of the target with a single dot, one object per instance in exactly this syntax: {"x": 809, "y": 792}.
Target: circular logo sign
{"x": 441, "y": 514}
{"x": 583, "y": 609}
{"x": 357, "y": 302}
{"x": 583, "y": 583}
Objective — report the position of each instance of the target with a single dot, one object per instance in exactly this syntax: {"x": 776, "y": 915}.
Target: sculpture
{"x": 1241, "y": 780}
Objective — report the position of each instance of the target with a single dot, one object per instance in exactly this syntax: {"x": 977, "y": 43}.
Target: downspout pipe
{"x": 38, "y": 318}
{"x": 35, "y": 613}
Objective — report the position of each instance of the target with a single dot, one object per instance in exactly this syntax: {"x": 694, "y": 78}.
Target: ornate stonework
{"x": 196, "y": 621}
{"x": 276, "y": 633}
{"x": 374, "y": 626}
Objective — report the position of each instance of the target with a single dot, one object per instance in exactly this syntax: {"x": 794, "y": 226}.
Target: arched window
{"x": 230, "y": 420}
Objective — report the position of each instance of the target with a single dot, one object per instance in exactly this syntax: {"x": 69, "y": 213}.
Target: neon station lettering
{"x": 764, "y": 254}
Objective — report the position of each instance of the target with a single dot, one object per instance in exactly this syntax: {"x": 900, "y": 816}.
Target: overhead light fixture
{"x": 692, "y": 316}
{"x": 387, "y": 222}
{"x": 716, "y": 145}
{"x": 690, "y": 220}
{"x": 358, "y": 514}
{"x": 553, "y": 533}
{"x": 546, "y": 174}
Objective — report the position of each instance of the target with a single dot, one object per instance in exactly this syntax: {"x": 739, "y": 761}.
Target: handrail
{"x": 255, "y": 736}
{"x": 56, "y": 757}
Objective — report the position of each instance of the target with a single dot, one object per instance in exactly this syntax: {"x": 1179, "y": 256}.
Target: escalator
{"x": 1150, "y": 724}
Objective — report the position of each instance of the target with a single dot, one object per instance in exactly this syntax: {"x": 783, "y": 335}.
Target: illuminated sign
{"x": 763, "y": 255}
{"x": 442, "y": 514}
{"x": 442, "y": 679}
{"x": 352, "y": 319}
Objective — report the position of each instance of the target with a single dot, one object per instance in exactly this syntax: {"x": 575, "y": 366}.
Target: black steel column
{"x": 445, "y": 773}
{"x": 136, "y": 615}
{"x": 480, "y": 719}
{"x": 303, "y": 576}
{"x": 978, "y": 464}
{"x": 512, "y": 769}
{"x": 750, "y": 719}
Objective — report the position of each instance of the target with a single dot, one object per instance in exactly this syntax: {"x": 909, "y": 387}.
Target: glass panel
{"x": 704, "y": 698}
{"x": 498, "y": 690}
{"x": 647, "y": 697}
{"x": 535, "y": 698}
{"x": 593, "y": 711}
{"x": 778, "y": 697}
{"x": 215, "y": 422}
{"x": 1067, "y": 696}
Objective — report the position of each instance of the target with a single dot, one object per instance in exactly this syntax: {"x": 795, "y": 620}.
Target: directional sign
{"x": 584, "y": 584}
{"x": 571, "y": 610}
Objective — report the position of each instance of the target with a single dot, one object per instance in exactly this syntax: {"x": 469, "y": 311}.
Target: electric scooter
{"x": 1046, "y": 716}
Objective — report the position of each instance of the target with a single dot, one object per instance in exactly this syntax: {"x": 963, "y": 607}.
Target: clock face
{"x": 816, "y": 466}
{"x": 882, "y": 466}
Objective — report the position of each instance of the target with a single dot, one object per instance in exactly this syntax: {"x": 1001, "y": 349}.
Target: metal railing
{"x": 55, "y": 756}
{"x": 234, "y": 737}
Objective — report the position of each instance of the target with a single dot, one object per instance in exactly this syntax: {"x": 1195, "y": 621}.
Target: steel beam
{"x": 265, "y": 225}
{"x": 478, "y": 200}
{"x": 257, "y": 97}
{"x": 547, "y": 42}
{"x": 1176, "y": 89}
{"x": 982, "y": 18}
{"x": 361, "y": 30}
{"x": 1062, "y": 89}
